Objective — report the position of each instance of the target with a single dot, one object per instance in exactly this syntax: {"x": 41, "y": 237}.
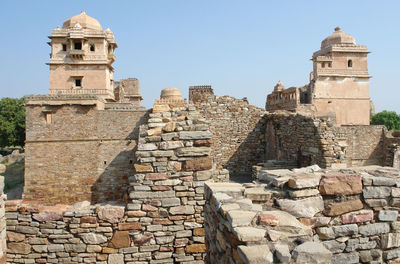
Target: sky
{"x": 241, "y": 48}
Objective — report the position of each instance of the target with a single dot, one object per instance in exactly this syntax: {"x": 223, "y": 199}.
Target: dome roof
{"x": 171, "y": 93}
{"x": 338, "y": 37}
{"x": 83, "y": 20}
{"x": 279, "y": 87}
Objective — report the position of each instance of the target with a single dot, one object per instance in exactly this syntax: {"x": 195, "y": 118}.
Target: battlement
{"x": 200, "y": 93}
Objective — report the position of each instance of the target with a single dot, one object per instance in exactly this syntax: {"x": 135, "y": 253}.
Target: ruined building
{"x": 339, "y": 84}
{"x": 109, "y": 182}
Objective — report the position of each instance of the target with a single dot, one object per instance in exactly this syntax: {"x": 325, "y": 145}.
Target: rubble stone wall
{"x": 315, "y": 140}
{"x": 392, "y": 149}
{"x": 238, "y": 133}
{"x": 306, "y": 216}
{"x": 82, "y": 154}
{"x": 3, "y": 244}
{"x": 162, "y": 221}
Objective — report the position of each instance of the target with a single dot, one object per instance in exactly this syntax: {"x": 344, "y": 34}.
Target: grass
{"x": 14, "y": 176}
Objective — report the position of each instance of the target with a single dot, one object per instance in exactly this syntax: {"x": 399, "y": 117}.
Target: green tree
{"x": 388, "y": 118}
{"x": 12, "y": 122}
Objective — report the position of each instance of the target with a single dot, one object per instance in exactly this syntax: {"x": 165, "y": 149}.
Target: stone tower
{"x": 340, "y": 80}
{"x": 81, "y": 58}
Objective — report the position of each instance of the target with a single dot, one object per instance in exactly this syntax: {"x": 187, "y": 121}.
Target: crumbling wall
{"x": 3, "y": 244}
{"x": 315, "y": 140}
{"x": 162, "y": 221}
{"x": 238, "y": 133}
{"x": 83, "y": 153}
{"x": 392, "y": 149}
{"x": 305, "y": 216}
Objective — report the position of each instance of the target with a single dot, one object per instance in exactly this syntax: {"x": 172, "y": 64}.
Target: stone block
{"x": 376, "y": 192}
{"x": 14, "y": 237}
{"x": 182, "y": 209}
{"x": 307, "y": 207}
{"x": 388, "y": 215}
{"x": 334, "y": 246}
{"x": 376, "y": 202}
{"x": 338, "y": 184}
{"x": 195, "y": 248}
{"x": 151, "y": 195}
{"x": 257, "y": 194}
{"x": 171, "y": 145}
{"x": 120, "y": 239}
{"x": 374, "y": 229}
{"x": 303, "y": 193}
{"x": 130, "y": 226}
{"x": 160, "y": 108}
{"x": 343, "y": 207}
{"x": 92, "y": 238}
{"x": 18, "y": 248}
{"x": 303, "y": 181}
{"x": 203, "y": 175}
{"x": 193, "y": 151}
{"x": 47, "y": 216}
{"x": 193, "y": 135}
{"x": 147, "y": 146}
{"x": 27, "y": 230}
{"x": 55, "y": 248}
{"x": 198, "y": 164}
{"x": 282, "y": 252}
{"x": 143, "y": 168}
{"x": 111, "y": 213}
{"x": 168, "y": 202}
{"x": 358, "y": 217}
{"x": 116, "y": 258}
{"x": 240, "y": 218}
{"x": 390, "y": 240}
{"x": 249, "y": 234}
{"x": 156, "y": 176}
{"x": 311, "y": 252}
{"x": 255, "y": 254}
{"x": 345, "y": 258}
{"x": 266, "y": 219}
{"x": 384, "y": 181}
{"x": 170, "y": 127}
{"x": 345, "y": 230}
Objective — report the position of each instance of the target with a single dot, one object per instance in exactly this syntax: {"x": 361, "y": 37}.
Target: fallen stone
{"x": 256, "y": 254}
{"x": 288, "y": 224}
{"x": 358, "y": 217}
{"x": 388, "y": 215}
{"x": 343, "y": 207}
{"x": 307, "y": 207}
{"x": 111, "y": 213}
{"x": 311, "y": 252}
{"x": 337, "y": 184}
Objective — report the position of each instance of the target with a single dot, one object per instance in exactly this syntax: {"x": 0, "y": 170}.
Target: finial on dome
{"x": 83, "y": 12}
{"x": 279, "y": 87}
{"x": 337, "y": 28}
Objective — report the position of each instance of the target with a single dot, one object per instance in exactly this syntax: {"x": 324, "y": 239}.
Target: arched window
{"x": 349, "y": 63}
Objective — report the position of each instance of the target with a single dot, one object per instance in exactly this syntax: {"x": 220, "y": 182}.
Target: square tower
{"x": 81, "y": 58}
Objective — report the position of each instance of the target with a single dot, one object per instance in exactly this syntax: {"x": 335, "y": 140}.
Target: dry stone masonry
{"x": 306, "y": 215}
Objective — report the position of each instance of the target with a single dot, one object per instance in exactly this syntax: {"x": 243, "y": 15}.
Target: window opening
{"x": 78, "y": 45}
{"x": 92, "y": 48}
{"x": 64, "y": 47}
{"x": 349, "y": 63}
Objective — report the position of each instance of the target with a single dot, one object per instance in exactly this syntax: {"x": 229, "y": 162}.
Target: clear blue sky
{"x": 241, "y": 48}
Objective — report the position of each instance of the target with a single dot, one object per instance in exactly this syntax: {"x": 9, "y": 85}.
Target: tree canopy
{"x": 388, "y": 118}
{"x": 12, "y": 122}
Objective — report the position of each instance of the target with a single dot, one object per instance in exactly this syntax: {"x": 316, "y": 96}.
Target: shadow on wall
{"x": 250, "y": 152}
{"x": 116, "y": 158}
{"x": 308, "y": 141}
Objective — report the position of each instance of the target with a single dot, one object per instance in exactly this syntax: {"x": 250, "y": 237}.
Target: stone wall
{"x": 238, "y": 133}
{"x": 3, "y": 244}
{"x": 392, "y": 149}
{"x": 306, "y": 215}
{"x": 85, "y": 152}
{"x": 315, "y": 140}
{"x": 163, "y": 221}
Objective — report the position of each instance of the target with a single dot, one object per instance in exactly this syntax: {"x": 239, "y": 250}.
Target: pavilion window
{"x": 349, "y": 63}
{"x": 78, "y": 45}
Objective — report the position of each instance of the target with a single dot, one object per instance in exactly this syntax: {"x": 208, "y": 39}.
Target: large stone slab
{"x": 93, "y": 239}
{"x": 111, "y": 213}
{"x": 193, "y": 151}
{"x": 120, "y": 239}
{"x": 302, "y": 181}
{"x": 338, "y": 184}
{"x": 307, "y": 207}
{"x": 284, "y": 222}
{"x": 249, "y": 234}
{"x": 343, "y": 207}
{"x": 240, "y": 218}
{"x": 198, "y": 164}
{"x": 18, "y": 248}
{"x": 311, "y": 252}
{"x": 257, "y": 254}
